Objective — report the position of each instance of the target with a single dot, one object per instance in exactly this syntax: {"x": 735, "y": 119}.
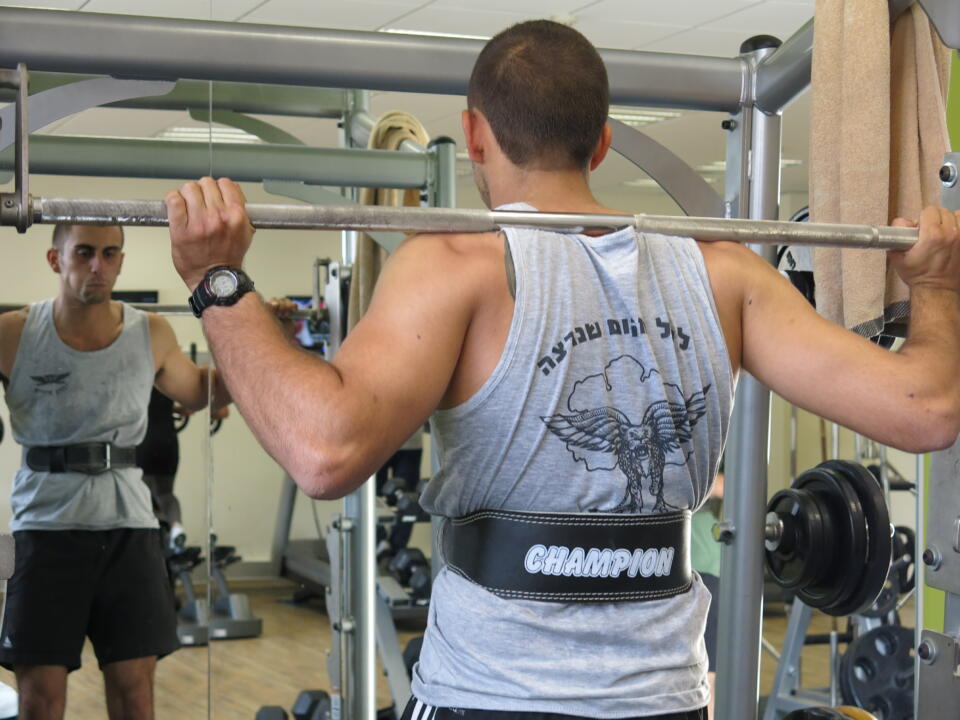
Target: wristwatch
{"x": 221, "y": 285}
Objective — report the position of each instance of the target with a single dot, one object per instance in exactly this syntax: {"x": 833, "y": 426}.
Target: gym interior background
{"x": 231, "y": 486}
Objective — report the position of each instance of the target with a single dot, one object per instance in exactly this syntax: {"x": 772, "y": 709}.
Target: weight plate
{"x": 815, "y": 713}
{"x": 876, "y": 672}
{"x": 855, "y": 713}
{"x": 877, "y": 565}
{"x": 845, "y": 538}
{"x": 798, "y": 560}
{"x": 905, "y": 547}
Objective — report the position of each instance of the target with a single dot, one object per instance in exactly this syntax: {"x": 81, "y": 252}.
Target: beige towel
{"x": 877, "y": 138}
{"x": 390, "y": 130}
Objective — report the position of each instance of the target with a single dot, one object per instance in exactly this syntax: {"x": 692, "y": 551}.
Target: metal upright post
{"x": 361, "y": 571}
{"x": 443, "y": 193}
{"x": 753, "y": 191}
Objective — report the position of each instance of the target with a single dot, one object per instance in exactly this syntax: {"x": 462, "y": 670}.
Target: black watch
{"x": 221, "y": 285}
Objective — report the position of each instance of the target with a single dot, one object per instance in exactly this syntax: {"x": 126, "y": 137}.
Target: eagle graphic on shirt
{"x": 641, "y": 450}
{"x": 50, "y": 384}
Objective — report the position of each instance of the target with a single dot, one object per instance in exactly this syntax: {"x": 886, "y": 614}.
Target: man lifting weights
{"x": 579, "y": 388}
{"x": 77, "y": 370}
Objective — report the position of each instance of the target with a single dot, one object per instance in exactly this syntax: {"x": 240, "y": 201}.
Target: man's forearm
{"x": 933, "y": 341}
{"x": 283, "y": 393}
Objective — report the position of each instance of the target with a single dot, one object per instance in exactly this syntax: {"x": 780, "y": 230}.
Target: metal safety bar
{"x": 162, "y": 309}
{"x": 79, "y": 211}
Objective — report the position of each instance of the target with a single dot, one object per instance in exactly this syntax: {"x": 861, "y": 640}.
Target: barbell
{"x": 153, "y": 213}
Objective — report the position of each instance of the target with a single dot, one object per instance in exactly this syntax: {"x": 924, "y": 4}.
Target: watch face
{"x": 223, "y": 283}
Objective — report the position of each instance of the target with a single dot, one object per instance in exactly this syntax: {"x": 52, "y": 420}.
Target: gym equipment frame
{"x": 753, "y": 88}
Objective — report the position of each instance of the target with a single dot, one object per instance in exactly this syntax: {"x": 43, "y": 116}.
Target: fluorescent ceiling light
{"x": 637, "y": 117}
{"x": 428, "y": 33}
{"x": 202, "y": 134}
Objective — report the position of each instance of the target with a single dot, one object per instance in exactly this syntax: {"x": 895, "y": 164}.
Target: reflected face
{"x": 88, "y": 263}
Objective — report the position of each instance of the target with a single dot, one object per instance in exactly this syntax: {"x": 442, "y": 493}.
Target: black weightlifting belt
{"x": 86, "y": 458}
{"x": 562, "y": 557}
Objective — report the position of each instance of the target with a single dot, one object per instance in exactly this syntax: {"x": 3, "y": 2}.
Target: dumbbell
{"x": 408, "y": 507}
{"x": 271, "y": 712}
{"x": 421, "y": 581}
{"x": 311, "y": 705}
{"x": 405, "y": 562}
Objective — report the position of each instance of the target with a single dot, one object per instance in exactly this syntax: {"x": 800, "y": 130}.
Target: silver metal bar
{"x": 159, "y": 309}
{"x": 920, "y": 575}
{"x": 50, "y": 105}
{"x": 242, "y": 97}
{"x": 362, "y": 581}
{"x": 125, "y": 157}
{"x": 151, "y": 47}
{"x": 741, "y": 586}
{"x": 786, "y": 73}
{"x": 82, "y": 211}
{"x": 769, "y": 648}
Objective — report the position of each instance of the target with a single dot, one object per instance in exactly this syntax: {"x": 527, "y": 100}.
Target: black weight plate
{"x": 878, "y": 531}
{"x": 846, "y": 544}
{"x": 800, "y": 557}
{"x": 905, "y": 545}
{"x": 876, "y": 672}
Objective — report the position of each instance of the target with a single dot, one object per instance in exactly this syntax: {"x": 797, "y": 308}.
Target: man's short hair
{"x": 61, "y": 231}
{"x": 543, "y": 88}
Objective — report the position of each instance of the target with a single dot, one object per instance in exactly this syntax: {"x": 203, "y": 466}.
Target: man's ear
{"x": 603, "y": 146}
{"x": 472, "y": 121}
{"x": 53, "y": 259}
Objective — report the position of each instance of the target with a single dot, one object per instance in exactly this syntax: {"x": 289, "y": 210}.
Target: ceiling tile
{"x": 534, "y": 8}
{"x": 43, "y": 4}
{"x": 473, "y": 22}
{"x": 781, "y": 19}
{"x": 675, "y": 12}
{"x": 351, "y": 15}
{"x": 609, "y": 33}
{"x": 701, "y": 41}
{"x": 190, "y": 9}
{"x": 426, "y": 108}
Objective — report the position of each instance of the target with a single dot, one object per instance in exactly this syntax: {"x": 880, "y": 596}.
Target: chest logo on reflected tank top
{"x": 603, "y": 437}
{"x": 52, "y": 384}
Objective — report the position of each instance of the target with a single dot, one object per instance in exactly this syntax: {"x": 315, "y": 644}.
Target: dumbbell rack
{"x": 938, "y": 653}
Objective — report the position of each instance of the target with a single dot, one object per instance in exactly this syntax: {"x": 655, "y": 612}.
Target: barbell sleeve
{"x": 80, "y": 211}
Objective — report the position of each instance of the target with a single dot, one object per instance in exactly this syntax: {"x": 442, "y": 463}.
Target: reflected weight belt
{"x": 564, "y": 557}
{"x": 88, "y": 458}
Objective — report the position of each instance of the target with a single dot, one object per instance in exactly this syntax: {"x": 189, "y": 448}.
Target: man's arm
{"x": 177, "y": 376}
{"x": 330, "y": 425}
{"x": 908, "y": 399}
{"x": 11, "y": 327}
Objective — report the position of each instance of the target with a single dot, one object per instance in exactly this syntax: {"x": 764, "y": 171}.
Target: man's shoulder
{"x": 14, "y": 319}
{"x": 452, "y": 244}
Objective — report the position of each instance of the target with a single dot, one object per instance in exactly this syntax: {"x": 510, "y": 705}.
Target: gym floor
{"x": 291, "y": 656}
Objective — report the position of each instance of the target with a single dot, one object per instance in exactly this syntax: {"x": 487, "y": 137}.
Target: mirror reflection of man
{"x": 78, "y": 370}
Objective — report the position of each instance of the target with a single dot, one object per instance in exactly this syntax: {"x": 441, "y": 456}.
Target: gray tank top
{"x": 61, "y": 396}
{"x": 613, "y": 394}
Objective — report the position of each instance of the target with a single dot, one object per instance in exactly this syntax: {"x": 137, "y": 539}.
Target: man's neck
{"x": 73, "y": 318}
{"x": 546, "y": 190}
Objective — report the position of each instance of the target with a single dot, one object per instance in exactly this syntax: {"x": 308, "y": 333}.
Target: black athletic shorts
{"x": 109, "y": 585}
{"x": 417, "y": 710}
